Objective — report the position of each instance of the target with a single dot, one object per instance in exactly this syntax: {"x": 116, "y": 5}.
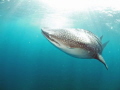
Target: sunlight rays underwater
{"x": 60, "y": 13}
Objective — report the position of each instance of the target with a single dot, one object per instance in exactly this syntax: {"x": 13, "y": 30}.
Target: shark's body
{"x": 76, "y": 42}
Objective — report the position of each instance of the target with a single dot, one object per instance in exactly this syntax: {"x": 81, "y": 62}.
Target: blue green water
{"x": 29, "y": 62}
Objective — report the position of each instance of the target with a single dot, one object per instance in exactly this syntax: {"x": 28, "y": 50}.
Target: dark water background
{"x": 29, "y": 62}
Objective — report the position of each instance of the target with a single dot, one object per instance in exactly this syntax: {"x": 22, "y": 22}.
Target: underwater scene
{"x": 28, "y": 61}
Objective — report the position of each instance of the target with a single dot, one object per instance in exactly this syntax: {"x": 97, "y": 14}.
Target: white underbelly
{"x": 77, "y": 52}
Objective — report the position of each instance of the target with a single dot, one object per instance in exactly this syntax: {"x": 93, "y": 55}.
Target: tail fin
{"x": 101, "y": 59}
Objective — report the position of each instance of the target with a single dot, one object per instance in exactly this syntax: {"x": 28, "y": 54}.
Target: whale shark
{"x": 78, "y": 43}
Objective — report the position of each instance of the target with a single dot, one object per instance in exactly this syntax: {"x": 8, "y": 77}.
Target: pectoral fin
{"x": 101, "y": 59}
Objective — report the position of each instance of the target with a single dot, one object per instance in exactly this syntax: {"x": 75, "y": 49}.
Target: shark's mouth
{"x": 49, "y": 37}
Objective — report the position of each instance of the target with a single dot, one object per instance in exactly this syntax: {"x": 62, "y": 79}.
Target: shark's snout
{"x": 49, "y": 34}
{"x": 46, "y": 34}
{"x": 47, "y": 31}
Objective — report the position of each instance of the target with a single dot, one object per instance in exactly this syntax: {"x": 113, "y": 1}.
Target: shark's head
{"x": 52, "y": 36}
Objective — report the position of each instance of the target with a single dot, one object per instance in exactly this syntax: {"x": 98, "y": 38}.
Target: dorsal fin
{"x": 101, "y": 59}
{"x": 101, "y": 37}
{"x": 104, "y": 44}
